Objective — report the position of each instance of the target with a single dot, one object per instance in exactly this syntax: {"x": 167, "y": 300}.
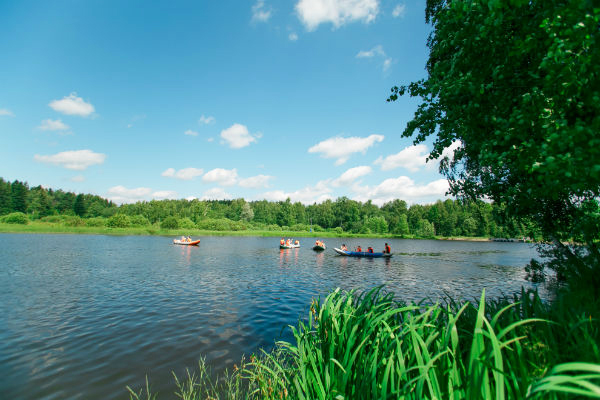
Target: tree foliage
{"x": 516, "y": 85}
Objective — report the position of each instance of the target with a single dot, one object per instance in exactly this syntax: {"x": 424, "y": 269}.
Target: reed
{"x": 370, "y": 346}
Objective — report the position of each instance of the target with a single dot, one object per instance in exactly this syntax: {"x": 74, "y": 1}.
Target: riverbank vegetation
{"x": 57, "y": 211}
{"x": 372, "y": 346}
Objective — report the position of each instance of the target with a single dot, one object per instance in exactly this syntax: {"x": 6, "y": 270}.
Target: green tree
{"x": 19, "y": 191}
{"x": 516, "y": 86}
{"x": 5, "y": 198}
{"x": 79, "y": 206}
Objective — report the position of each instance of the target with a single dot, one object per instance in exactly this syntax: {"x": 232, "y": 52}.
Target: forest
{"x": 20, "y": 203}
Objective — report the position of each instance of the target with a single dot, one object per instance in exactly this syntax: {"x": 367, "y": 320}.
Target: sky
{"x": 259, "y": 99}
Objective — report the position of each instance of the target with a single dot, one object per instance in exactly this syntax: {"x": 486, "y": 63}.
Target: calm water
{"x": 82, "y": 317}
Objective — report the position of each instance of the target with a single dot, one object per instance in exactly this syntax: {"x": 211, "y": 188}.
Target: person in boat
{"x": 387, "y": 249}
{"x": 317, "y": 242}
{"x": 344, "y": 247}
{"x": 297, "y": 242}
{"x": 182, "y": 239}
{"x": 370, "y": 249}
{"x": 359, "y": 249}
{"x": 282, "y": 242}
{"x": 288, "y": 242}
{"x": 189, "y": 239}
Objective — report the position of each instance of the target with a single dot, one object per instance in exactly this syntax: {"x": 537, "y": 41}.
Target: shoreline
{"x": 47, "y": 228}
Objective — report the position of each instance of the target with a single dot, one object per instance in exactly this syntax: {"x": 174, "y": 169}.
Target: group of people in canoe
{"x": 186, "y": 239}
{"x": 387, "y": 249}
{"x": 289, "y": 242}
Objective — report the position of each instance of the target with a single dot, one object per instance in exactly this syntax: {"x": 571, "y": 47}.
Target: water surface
{"x": 83, "y": 316}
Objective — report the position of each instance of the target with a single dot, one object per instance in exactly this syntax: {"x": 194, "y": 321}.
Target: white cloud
{"x": 351, "y": 175}
{"x": 76, "y": 159}
{"x": 255, "y": 182}
{"x": 223, "y": 177}
{"x": 190, "y": 198}
{"x": 216, "y": 194}
{"x": 78, "y": 178}
{"x": 342, "y": 148}
{"x": 402, "y": 187}
{"x": 185, "y": 174}
{"x": 120, "y": 194}
{"x": 376, "y": 51}
{"x": 293, "y": 37}
{"x": 6, "y": 112}
{"x": 164, "y": 194}
{"x": 206, "y": 120}
{"x": 237, "y": 136}
{"x": 53, "y": 125}
{"x": 308, "y": 195}
{"x": 312, "y": 13}
{"x": 399, "y": 11}
{"x": 412, "y": 158}
{"x": 260, "y": 12}
{"x": 72, "y": 105}
{"x": 190, "y": 132}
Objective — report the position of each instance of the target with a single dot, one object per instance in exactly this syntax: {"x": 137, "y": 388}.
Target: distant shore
{"x": 40, "y": 227}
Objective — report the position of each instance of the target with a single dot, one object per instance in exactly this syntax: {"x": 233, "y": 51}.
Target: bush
{"x": 169, "y": 223}
{"x": 74, "y": 221}
{"x": 15, "y": 218}
{"x": 300, "y": 228}
{"x": 186, "y": 223}
{"x": 338, "y": 230}
{"x": 118, "y": 221}
{"x": 53, "y": 219}
{"x": 139, "y": 220}
{"x": 97, "y": 221}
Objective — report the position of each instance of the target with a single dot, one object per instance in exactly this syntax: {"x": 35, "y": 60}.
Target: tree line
{"x": 443, "y": 218}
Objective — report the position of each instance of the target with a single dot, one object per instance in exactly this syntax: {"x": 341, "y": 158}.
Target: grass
{"x": 370, "y": 346}
{"x": 48, "y": 227}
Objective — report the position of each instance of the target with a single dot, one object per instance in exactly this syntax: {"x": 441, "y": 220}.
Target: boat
{"x": 184, "y": 243}
{"x": 319, "y": 248}
{"x": 291, "y": 246}
{"x": 361, "y": 253}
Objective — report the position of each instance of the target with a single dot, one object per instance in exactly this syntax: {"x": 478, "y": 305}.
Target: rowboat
{"x": 291, "y": 246}
{"x": 184, "y": 243}
{"x": 361, "y": 253}
{"x": 318, "y": 248}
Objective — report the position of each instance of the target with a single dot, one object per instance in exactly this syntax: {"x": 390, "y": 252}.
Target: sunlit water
{"x": 82, "y": 317}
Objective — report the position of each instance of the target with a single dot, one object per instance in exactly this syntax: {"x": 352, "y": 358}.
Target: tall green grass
{"x": 370, "y": 346}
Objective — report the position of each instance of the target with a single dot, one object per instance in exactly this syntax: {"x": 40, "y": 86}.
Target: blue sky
{"x": 259, "y": 99}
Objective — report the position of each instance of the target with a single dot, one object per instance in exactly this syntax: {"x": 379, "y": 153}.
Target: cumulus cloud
{"x": 237, "y": 136}
{"x": 412, "y": 158}
{"x": 312, "y": 13}
{"x": 402, "y": 187}
{"x": 378, "y": 52}
{"x": 216, "y": 194}
{"x": 307, "y": 195}
{"x": 53, "y": 125}
{"x": 220, "y": 176}
{"x": 293, "y": 37}
{"x": 78, "y": 178}
{"x": 260, "y": 12}
{"x": 76, "y": 159}
{"x": 399, "y": 11}
{"x": 190, "y": 132}
{"x": 120, "y": 194}
{"x": 185, "y": 174}
{"x": 72, "y": 105}
{"x": 164, "y": 194}
{"x": 206, "y": 120}
{"x": 6, "y": 112}
{"x": 342, "y": 148}
{"x": 351, "y": 175}
{"x": 255, "y": 182}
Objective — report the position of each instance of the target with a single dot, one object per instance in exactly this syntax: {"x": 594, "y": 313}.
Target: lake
{"x": 83, "y": 316}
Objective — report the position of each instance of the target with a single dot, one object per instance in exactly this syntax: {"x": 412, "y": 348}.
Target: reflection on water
{"x": 81, "y": 317}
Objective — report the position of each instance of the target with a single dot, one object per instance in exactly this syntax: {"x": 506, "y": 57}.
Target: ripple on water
{"x": 83, "y": 322}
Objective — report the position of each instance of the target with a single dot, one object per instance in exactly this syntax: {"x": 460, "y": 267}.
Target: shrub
{"x": 169, "y": 223}
{"x": 300, "y": 228}
{"x": 186, "y": 223}
{"x": 97, "y": 221}
{"x": 15, "y": 218}
{"x": 73, "y": 221}
{"x": 53, "y": 219}
{"x": 118, "y": 221}
{"x": 139, "y": 220}
{"x": 338, "y": 230}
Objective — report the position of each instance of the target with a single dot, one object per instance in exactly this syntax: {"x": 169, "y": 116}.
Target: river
{"x": 83, "y": 316}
